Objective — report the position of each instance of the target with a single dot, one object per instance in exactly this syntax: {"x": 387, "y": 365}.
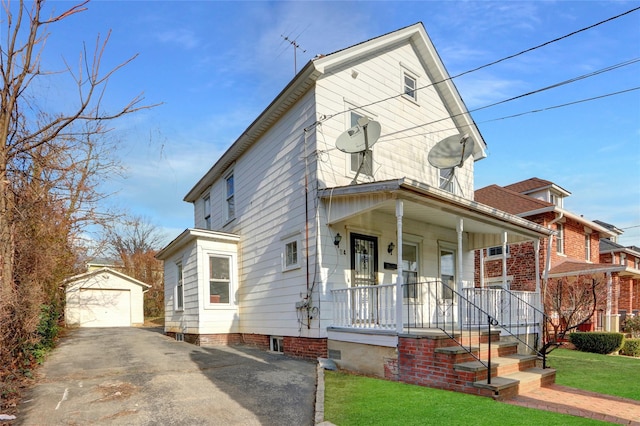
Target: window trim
{"x": 285, "y": 243}
{"x": 178, "y": 299}
{"x": 231, "y": 282}
{"x": 368, "y": 155}
{"x": 413, "y": 97}
{"x": 230, "y": 213}
{"x": 406, "y": 292}
{"x": 206, "y": 210}
{"x": 560, "y": 238}
{"x": 497, "y": 255}
{"x": 587, "y": 247}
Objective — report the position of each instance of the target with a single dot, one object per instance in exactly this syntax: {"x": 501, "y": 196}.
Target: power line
{"x": 327, "y": 117}
{"x": 553, "y": 86}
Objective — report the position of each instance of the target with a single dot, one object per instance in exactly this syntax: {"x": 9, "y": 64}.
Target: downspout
{"x": 504, "y": 260}
{"x": 306, "y": 223}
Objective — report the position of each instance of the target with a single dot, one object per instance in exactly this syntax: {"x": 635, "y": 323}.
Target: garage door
{"x": 105, "y": 308}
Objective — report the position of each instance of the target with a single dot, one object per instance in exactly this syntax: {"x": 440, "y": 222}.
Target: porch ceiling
{"x": 423, "y": 203}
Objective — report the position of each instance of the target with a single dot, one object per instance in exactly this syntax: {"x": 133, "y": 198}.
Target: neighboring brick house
{"x": 573, "y": 252}
{"x": 611, "y": 252}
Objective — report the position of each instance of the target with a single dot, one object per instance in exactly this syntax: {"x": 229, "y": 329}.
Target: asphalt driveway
{"x": 138, "y": 376}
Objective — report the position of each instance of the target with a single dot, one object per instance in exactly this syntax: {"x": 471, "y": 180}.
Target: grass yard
{"x": 357, "y": 400}
{"x": 608, "y": 374}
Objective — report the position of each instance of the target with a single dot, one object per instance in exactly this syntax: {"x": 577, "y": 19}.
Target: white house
{"x": 302, "y": 248}
{"x": 104, "y": 298}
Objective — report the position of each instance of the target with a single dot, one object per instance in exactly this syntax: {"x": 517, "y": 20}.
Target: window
{"x": 587, "y": 246}
{"x": 231, "y": 204}
{"x": 219, "y": 279}
{"x": 623, "y": 259}
{"x": 179, "y": 296}
{"x": 410, "y": 270}
{"x": 446, "y": 179}
{"x": 362, "y": 161}
{"x": 207, "y": 212}
{"x": 291, "y": 255}
{"x": 276, "y": 344}
{"x": 447, "y": 273}
{"x": 497, "y": 251}
{"x": 410, "y": 86}
{"x": 637, "y": 263}
{"x": 560, "y": 238}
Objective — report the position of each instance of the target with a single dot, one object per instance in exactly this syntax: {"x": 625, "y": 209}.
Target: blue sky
{"x": 216, "y": 65}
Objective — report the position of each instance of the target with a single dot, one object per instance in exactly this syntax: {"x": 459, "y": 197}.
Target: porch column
{"x": 504, "y": 259}
{"x": 482, "y": 268}
{"x": 399, "y": 276}
{"x": 536, "y": 245}
{"x": 609, "y": 296}
{"x": 459, "y": 229}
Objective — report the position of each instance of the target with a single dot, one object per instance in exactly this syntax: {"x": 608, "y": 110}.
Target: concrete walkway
{"x": 581, "y": 403}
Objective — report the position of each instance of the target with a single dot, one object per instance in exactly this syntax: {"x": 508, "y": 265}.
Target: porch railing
{"x": 371, "y": 307}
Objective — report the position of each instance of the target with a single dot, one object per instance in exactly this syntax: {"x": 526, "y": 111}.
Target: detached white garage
{"x": 104, "y": 298}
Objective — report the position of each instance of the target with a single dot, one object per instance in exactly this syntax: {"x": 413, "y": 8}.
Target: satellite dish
{"x": 360, "y": 137}
{"x": 451, "y": 152}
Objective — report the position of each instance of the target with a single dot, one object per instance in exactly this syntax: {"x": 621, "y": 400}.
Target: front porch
{"x": 481, "y": 341}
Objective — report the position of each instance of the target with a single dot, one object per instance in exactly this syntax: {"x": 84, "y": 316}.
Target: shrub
{"x": 631, "y": 347}
{"x": 632, "y": 325}
{"x": 599, "y": 343}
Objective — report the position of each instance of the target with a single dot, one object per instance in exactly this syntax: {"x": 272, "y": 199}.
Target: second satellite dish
{"x": 360, "y": 137}
{"x": 451, "y": 152}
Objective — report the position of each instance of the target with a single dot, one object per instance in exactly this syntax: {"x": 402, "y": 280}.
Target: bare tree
{"x": 50, "y": 166}
{"x": 135, "y": 242}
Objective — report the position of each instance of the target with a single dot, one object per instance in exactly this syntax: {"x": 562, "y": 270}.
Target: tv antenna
{"x": 296, "y": 46}
{"x": 449, "y": 153}
{"x": 358, "y": 140}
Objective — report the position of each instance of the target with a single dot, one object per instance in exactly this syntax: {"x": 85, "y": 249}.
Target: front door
{"x": 364, "y": 275}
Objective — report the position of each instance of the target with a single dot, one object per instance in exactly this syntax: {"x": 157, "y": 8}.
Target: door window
{"x": 364, "y": 259}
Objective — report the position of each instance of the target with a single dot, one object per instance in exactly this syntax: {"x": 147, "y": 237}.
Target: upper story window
{"x": 637, "y": 263}
{"x": 560, "y": 238}
{"x": 623, "y": 259}
{"x": 446, "y": 179}
{"x": 207, "y": 212}
{"x": 410, "y": 86}
{"x": 230, "y": 198}
{"x": 179, "y": 296}
{"x": 587, "y": 246}
{"x": 555, "y": 199}
{"x": 362, "y": 161}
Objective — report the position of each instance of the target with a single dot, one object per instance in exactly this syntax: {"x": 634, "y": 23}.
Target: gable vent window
{"x": 410, "y": 87}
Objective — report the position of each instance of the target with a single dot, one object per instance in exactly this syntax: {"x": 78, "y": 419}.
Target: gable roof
{"x": 526, "y": 206}
{"x": 608, "y": 246}
{"x": 610, "y": 227}
{"x": 533, "y": 184}
{"x": 311, "y": 72}
{"x": 107, "y": 271}
{"x": 509, "y": 200}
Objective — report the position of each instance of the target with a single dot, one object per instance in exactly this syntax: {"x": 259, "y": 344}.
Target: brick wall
{"x": 304, "y": 347}
{"x": 260, "y": 341}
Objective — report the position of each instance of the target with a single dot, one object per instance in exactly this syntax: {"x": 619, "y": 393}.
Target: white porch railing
{"x": 373, "y": 307}
{"x": 370, "y": 307}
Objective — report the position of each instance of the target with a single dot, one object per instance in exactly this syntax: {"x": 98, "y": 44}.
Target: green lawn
{"x": 357, "y": 400}
{"x": 608, "y": 374}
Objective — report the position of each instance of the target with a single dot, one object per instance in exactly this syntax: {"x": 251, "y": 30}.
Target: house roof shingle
{"x": 508, "y": 200}
{"x": 534, "y": 184}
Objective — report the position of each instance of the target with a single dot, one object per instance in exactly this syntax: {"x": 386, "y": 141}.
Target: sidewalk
{"x": 577, "y": 402}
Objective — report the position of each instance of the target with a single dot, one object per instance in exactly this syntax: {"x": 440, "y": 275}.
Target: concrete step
{"x": 514, "y": 384}
{"x": 500, "y": 365}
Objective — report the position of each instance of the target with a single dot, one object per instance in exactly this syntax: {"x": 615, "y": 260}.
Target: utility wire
{"x": 327, "y": 117}
{"x": 553, "y": 86}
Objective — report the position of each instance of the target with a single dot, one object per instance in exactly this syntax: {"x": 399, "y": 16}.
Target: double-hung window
{"x": 497, "y": 251}
{"x": 410, "y": 86}
{"x": 362, "y": 161}
{"x": 410, "y": 270}
{"x": 587, "y": 247}
{"x": 446, "y": 179}
{"x": 560, "y": 238}
{"x": 179, "y": 296}
{"x": 219, "y": 279}
{"x": 207, "y": 212}
{"x": 230, "y": 197}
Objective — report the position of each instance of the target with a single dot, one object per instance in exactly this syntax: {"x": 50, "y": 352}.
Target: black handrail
{"x": 414, "y": 296}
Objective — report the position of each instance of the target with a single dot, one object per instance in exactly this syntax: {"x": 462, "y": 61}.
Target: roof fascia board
{"x": 107, "y": 270}
{"x": 192, "y": 234}
{"x": 605, "y": 269}
{"x": 293, "y": 91}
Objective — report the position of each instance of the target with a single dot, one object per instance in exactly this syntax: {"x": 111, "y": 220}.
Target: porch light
{"x": 337, "y": 239}
{"x": 390, "y": 247}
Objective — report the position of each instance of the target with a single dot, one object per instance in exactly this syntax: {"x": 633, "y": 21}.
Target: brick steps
{"x": 434, "y": 359}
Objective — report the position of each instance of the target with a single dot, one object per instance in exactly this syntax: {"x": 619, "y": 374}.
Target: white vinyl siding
{"x": 404, "y": 154}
